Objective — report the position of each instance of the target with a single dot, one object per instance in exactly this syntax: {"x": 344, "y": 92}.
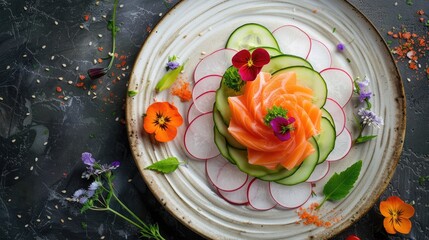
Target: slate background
{"x": 42, "y": 136}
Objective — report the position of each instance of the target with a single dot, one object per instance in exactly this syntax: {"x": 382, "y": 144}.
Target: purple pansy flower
{"x": 282, "y": 127}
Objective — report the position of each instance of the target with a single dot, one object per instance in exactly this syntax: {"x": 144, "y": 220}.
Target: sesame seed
{"x": 26, "y": 225}
{"x": 93, "y": 19}
{"x": 7, "y": 67}
{"x": 94, "y": 97}
{"x": 70, "y": 82}
{"x": 408, "y": 79}
{"x": 13, "y": 140}
{"x": 62, "y": 220}
{"x": 123, "y": 74}
{"x": 108, "y": 89}
{"x": 66, "y": 98}
{"x": 48, "y": 217}
{"x": 47, "y": 69}
{"x": 27, "y": 114}
{"x": 100, "y": 35}
{"x": 77, "y": 68}
{"x": 24, "y": 56}
{"x": 44, "y": 46}
{"x": 95, "y": 61}
{"x": 18, "y": 216}
{"x": 103, "y": 16}
{"x": 121, "y": 6}
{"x": 33, "y": 96}
{"x": 81, "y": 26}
{"x": 64, "y": 191}
{"x": 64, "y": 65}
{"x": 89, "y": 93}
{"x": 1, "y": 99}
{"x": 160, "y": 14}
{"x": 52, "y": 57}
{"x": 97, "y": 3}
{"x": 9, "y": 200}
{"x": 130, "y": 180}
{"x": 56, "y": 22}
{"x": 16, "y": 178}
{"x": 203, "y": 53}
{"x": 25, "y": 8}
{"x": 396, "y": 3}
{"x": 56, "y": 206}
{"x": 36, "y": 159}
{"x": 37, "y": 81}
{"x": 60, "y": 78}
{"x": 31, "y": 168}
{"x": 90, "y": 43}
{"x": 117, "y": 119}
{"x": 45, "y": 143}
{"x": 102, "y": 237}
{"x": 69, "y": 218}
{"x": 94, "y": 93}
{"x": 38, "y": 220}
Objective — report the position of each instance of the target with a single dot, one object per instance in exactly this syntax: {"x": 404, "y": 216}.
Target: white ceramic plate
{"x": 193, "y": 27}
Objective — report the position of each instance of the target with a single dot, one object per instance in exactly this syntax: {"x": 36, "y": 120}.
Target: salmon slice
{"x": 247, "y": 120}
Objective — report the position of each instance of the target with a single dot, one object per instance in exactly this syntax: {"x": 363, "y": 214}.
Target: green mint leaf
{"x": 339, "y": 185}
{"x": 363, "y": 139}
{"x": 231, "y": 78}
{"x": 167, "y": 165}
{"x": 132, "y": 93}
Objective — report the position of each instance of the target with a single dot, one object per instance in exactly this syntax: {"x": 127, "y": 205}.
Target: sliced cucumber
{"x": 272, "y": 51}
{"x": 283, "y": 173}
{"x": 251, "y": 35}
{"x": 221, "y": 144}
{"x": 326, "y": 139}
{"x": 327, "y": 115}
{"x": 223, "y": 129}
{"x": 240, "y": 158}
{"x": 283, "y": 61}
{"x": 309, "y": 78}
{"x": 305, "y": 169}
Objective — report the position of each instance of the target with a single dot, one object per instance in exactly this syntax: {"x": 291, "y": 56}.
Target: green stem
{"x": 320, "y": 205}
{"x": 115, "y": 5}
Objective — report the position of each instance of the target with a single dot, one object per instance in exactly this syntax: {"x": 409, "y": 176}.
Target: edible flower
{"x": 172, "y": 63}
{"x": 282, "y": 127}
{"x": 397, "y": 214}
{"x": 362, "y": 88}
{"x": 341, "y": 47}
{"x": 162, "y": 120}
{"x": 173, "y": 71}
{"x": 370, "y": 118}
{"x": 249, "y": 65}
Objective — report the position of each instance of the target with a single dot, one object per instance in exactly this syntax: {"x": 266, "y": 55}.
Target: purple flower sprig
{"x": 172, "y": 63}
{"x": 366, "y": 117}
{"x": 100, "y": 193}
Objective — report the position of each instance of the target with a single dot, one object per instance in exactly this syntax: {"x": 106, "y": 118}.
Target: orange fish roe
{"x": 181, "y": 89}
{"x": 310, "y": 216}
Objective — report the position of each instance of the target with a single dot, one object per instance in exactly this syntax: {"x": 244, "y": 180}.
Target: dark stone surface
{"x": 42, "y": 135}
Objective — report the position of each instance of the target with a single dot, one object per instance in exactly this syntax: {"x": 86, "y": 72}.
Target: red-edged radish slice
{"x": 238, "y": 196}
{"x": 292, "y": 40}
{"x": 337, "y": 114}
{"x": 343, "y": 144}
{"x": 259, "y": 195}
{"x": 319, "y": 172}
{"x": 199, "y": 137}
{"x": 339, "y": 84}
{"x": 204, "y": 102}
{"x": 214, "y": 64}
{"x": 193, "y": 112}
{"x": 205, "y": 84}
{"x": 320, "y": 56}
{"x": 224, "y": 175}
{"x": 290, "y": 196}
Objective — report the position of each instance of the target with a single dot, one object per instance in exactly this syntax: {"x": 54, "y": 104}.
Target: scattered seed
{"x": 60, "y": 78}
{"x": 56, "y": 206}
{"x": 100, "y": 35}
{"x": 26, "y": 225}
{"x": 44, "y": 46}
{"x": 9, "y": 200}
{"x": 130, "y": 180}
{"x": 77, "y": 68}
{"x": 66, "y": 98}
{"x": 33, "y": 96}
{"x": 1, "y": 99}
{"x": 13, "y": 140}
{"x": 90, "y": 43}
{"x": 81, "y": 26}
{"x": 203, "y": 53}
{"x": 47, "y": 69}
{"x": 408, "y": 79}
{"x": 396, "y": 3}
{"x": 52, "y": 57}
{"x": 25, "y": 8}
{"x": 97, "y": 3}
{"x": 38, "y": 220}
{"x": 117, "y": 119}
{"x": 200, "y": 34}
{"x": 31, "y": 168}
{"x": 94, "y": 97}
{"x": 48, "y": 217}
{"x": 56, "y": 22}
{"x": 64, "y": 191}
{"x": 18, "y": 216}
{"x": 24, "y": 56}
{"x": 37, "y": 81}
{"x": 95, "y": 61}
{"x": 16, "y": 178}
{"x": 62, "y": 220}
{"x": 121, "y": 6}
{"x": 93, "y": 19}
{"x": 45, "y": 143}
{"x": 160, "y": 14}
{"x": 36, "y": 159}
{"x": 27, "y": 114}
{"x": 70, "y": 82}
{"x": 64, "y": 65}
{"x": 69, "y": 218}
{"x": 102, "y": 237}
{"x": 89, "y": 93}
{"x": 108, "y": 89}
{"x": 103, "y": 16}
{"x": 7, "y": 67}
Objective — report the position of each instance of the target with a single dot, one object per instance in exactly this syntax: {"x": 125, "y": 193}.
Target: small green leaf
{"x": 168, "y": 79}
{"x": 167, "y": 165}
{"x": 410, "y": 2}
{"x": 339, "y": 185}
{"x": 132, "y": 93}
{"x": 363, "y": 139}
{"x": 334, "y": 29}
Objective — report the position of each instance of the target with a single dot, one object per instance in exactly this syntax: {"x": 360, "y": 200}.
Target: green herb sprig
{"x": 167, "y": 165}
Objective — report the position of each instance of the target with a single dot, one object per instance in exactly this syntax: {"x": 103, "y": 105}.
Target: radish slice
{"x": 292, "y": 40}
{"x": 224, "y": 175}
{"x": 204, "y": 102}
{"x": 199, "y": 137}
{"x": 337, "y": 114}
{"x": 238, "y": 196}
{"x": 193, "y": 112}
{"x": 205, "y": 84}
{"x": 214, "y": 64}
{"x": 320, "y": 56}
{"x": 339, "y": 84}
{"x": 319, "y": 172}
{"x": 259, "y": 195}
{"x": 290, "y": 196}
{"x": 343, "y": 144}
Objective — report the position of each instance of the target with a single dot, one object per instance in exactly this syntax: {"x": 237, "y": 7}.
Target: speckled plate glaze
{"x": 193, "y": 27}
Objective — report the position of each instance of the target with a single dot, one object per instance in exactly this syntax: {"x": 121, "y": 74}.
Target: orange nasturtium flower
{"x": 397, "y": 214}
{"x": 162, "y": 119}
